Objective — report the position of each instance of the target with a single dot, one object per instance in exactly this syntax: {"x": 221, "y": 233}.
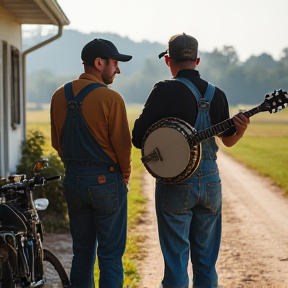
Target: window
{"x": 3, "y": 108}
{"x": 15, "y": 87}
{"x": 4, "y": 72}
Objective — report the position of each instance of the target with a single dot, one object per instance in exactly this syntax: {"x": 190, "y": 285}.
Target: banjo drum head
{"x": 171, "y": 138}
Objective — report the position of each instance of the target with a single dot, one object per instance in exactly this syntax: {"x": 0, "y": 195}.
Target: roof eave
{"x": 52, "y": 9}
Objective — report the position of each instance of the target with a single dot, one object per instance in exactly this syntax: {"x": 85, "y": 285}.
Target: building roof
{"x": 35, "y": 11}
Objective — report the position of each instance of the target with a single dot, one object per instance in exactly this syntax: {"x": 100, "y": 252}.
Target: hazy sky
{"x": 251, "y": 26}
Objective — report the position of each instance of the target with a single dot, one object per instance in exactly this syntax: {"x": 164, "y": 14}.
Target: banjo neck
{"x": 221, "y": 127}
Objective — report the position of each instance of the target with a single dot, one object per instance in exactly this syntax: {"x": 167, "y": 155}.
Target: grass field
{"x": 263, "y": 148}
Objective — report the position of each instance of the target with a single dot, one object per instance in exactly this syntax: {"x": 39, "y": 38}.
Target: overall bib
{"x": 189, "y": 213}
{"x": 96, "y": 196}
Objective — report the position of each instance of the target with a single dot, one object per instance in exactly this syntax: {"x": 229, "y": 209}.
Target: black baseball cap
{"x": 182, "y": 47}
{"x": 101, "y": 48}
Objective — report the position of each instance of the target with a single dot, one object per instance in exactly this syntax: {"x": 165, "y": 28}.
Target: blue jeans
{"x": 189, "y": 220}
{"x": 97, "y": 205}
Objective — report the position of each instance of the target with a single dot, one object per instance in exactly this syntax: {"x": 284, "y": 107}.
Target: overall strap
{"x": 191, "y": 86}
{"x": 209, "y": 92}
{"x": 203, "y": 103}
{"x": 68, "y": 92}
{"x": 85, "y": 149}
{"x": 82, "y": 94}
{"x": 209, "y": 147}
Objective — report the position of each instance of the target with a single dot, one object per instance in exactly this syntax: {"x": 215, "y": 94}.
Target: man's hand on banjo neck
{"x": 241, "y": 123}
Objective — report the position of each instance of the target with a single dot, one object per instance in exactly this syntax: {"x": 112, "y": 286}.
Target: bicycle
{"x": 23, "y": 261}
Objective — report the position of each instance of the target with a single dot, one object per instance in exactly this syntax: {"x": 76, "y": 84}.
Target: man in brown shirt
{"x": 89, "y": 130}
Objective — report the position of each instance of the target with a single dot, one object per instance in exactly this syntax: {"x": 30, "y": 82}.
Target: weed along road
{"x": 254, "y": 249}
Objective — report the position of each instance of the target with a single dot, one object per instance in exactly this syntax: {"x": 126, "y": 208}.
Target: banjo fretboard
{"x": 221, "y": 127}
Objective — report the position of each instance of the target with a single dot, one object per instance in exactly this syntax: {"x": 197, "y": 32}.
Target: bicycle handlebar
{"x": 23, "y": 184}
{"x": 57, "y": 177}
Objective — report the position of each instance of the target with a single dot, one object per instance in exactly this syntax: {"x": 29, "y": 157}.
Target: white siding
{"x": 10, "y": 139}
{"x": 10, "y": 29}
{"x": 2, "y": 157}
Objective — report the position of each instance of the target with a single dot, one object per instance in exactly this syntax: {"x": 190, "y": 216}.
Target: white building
{"x": 14, "y": 13}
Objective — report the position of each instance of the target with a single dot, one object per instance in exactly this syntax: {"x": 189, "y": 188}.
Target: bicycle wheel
{"x": 6, "y": 280}
{"x": 54, "y": 272}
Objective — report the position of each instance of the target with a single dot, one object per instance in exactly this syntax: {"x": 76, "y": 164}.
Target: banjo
{"x": 172, "y": 148}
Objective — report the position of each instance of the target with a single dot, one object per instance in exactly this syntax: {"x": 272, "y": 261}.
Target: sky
{"x": 252, "y": 27}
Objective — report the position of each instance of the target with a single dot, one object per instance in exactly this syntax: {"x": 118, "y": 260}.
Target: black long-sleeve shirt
{"x": 174, "y": 99}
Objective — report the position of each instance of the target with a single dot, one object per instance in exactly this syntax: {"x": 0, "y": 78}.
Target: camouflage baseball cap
{"x": 182, "y": 47}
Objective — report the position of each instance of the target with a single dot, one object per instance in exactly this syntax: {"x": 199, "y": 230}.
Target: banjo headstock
{"x": 275, "y": 101}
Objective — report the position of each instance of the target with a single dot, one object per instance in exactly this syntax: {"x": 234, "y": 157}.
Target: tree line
{"x": 243, "y": 82}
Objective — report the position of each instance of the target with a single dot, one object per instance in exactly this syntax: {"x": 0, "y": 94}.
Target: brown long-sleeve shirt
{"x": 105, "y": 114}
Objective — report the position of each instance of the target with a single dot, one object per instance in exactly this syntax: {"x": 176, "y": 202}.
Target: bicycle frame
{"x": 21, "y": 234}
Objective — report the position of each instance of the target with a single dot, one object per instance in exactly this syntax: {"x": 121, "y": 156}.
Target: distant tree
{"x": 285, "y": 53}
{"x": 263, "y": 61}
{"x": 42, "y": 84}
{"x": 243, "y": 82}
{"x": 284, "y": 58}
{"x": 230, "y": 53}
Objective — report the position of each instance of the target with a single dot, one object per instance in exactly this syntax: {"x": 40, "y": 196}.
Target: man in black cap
{"x": 189, "y": 212}
{"x": 89, "y": 130}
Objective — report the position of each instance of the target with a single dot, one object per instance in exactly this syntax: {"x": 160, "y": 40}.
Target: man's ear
{"x": 98, "y": 63}
{"x": 167, "y": 60}
{"x": 197, "y": 61}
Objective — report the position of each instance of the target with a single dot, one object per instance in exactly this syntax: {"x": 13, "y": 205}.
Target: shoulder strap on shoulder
{"x": 68, "y": 91}
{"x": 191, "y": 86}
{"x": 209, "y": 92}
{"x": 86, "y": 90}
{"x": 82, "y": 94}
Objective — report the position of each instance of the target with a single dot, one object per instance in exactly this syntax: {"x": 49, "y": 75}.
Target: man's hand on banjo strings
{"x": 241, "y": 123}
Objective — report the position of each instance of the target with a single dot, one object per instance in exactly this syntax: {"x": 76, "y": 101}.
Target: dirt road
{"x": 254, "y": 249}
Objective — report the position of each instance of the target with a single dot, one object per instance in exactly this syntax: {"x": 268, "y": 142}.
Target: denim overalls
{"x": 97, "y": 200}
{"x": 189, "y": 213}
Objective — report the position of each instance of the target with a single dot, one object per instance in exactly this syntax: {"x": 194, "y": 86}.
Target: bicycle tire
{"x": 6, "y": 280}
{"x": 54, "y": 272}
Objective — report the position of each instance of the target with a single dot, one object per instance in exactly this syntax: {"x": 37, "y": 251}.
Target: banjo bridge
{"x": 153, "y": 156}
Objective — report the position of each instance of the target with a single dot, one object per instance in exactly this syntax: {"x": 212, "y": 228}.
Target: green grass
{"x": 264, "y": 147}
{"x": 269, "y": 156}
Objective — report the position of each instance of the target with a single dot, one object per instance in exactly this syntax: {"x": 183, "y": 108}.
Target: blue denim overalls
{"x": 97, "y": 200}
{"x": 189, "y": 213}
